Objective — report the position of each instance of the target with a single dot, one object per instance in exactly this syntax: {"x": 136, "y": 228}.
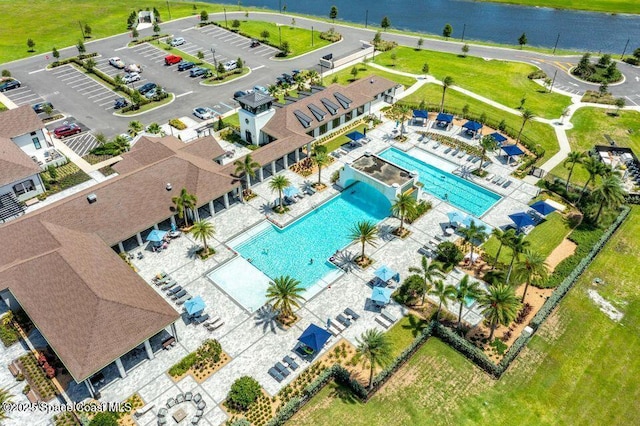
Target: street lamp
{"x": 280, "y": 34}
{"x": 366, "y": 18}
{"x": 311, "y": 36}
{"x": 169, "y": 8}
{"x": 215, "y": 63}
{"x": 225, "y": 17}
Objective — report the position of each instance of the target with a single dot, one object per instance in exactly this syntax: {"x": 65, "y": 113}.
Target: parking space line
{"x": 64, "y": 70}
{"x": 120, "y": 48}
{"x": 109, "y": 102}
{"x": 68, "y": 78}
{"x": 91, "y": 90}
{"x": 81, "y": 82}
{"x": 97, "y": 94}
{"x": 109, "y": 95}
{"x": 257, "y": 68}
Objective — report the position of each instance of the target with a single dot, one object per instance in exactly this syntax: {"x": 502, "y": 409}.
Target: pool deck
{"x": 253, "y": 340}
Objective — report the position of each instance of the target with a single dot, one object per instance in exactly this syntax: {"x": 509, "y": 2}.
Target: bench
{"x": 143, "y": 410}
{"x": 14, "y": 369}
{"x": 32, "y": 397}
{"x": 168, "y": 343}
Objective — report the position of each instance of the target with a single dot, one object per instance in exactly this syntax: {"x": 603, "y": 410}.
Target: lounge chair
{"x": 342, "y": 320}
{"x": 352, "y": 314}
{"x": 334, "y": 324}
{"x": 180, "y": 398}
{"x": 199, "y": 413}
{"x": 448, "y": 150}
{"x": 162, "y": 421}
{"x": 383, "y": 321}
{"x": 197, "y": 398}
{"x": 282, "y": 369}
{"x": 168, "y": 285}
{"x": 162, "y": 412}
{"x": 500, "y": 181}
{"x": 171, "y": 402}
{"x": 507, "y": 184}
{"x": 455, "y": 152}
{"x": 174, "y": 290}
{"x": 475, "y": 160}
{"x": 215, "y": 326}
{"x": 489, "y": 177}
{"x": 195, "y": 420}
{"x": 486, "y": 164}
{"x": 200, "y": 319}
{"x": 462, "y": 154}
{"x": 181, "y": 300}
{"x": 290, "y": 362}
{"x": 436, "y": 145}
{"x": 212, "y": 321}
{"x": 388, "y": 315}
{"x": 201, "y": 405}
{"x": 188, "y": 396}
{"x": 179, "y": 294}
{"x": 275, "y": 374}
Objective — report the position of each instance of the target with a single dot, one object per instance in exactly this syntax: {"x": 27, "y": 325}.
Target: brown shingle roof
{"x": 18, "y": 121}
{"x": 14, "y": 163}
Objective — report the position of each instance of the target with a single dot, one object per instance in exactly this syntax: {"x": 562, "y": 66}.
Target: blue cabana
{"x": 420, "y": 113}
{"x": 512, "y": 150}
{"x": 498, "y": 138}
{"x": 472, "y": 126}
{"x": 290, "y": 191}
{"x": 385, "y": 273}
{"x": 543, "y": 208}
{"x": 194, "y": 306}
{"x": 156, "y": 235}
{"x": 456, "y": 218}
{"x": 444, "y": 118}
{"x": 355, "y": 136}
{"x": 381, "y": 295}
{"x": 314, "y": 337}
{"x": 521, "y": 219}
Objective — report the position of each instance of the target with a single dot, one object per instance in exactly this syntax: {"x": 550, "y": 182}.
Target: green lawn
{"x": 299, "y": 39}
{"x": 580, "y": 368}
{"x": 609, "y": 6}
{"x": 338, "y": 141}
{"x": 589, "y": 127}
{"x": 501, "y": 81}
{"x": 541, "y": 133}
{"x": 345, "y": 77}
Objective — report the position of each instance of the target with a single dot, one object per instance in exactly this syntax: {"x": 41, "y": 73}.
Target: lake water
{"x": 500, "y": 23}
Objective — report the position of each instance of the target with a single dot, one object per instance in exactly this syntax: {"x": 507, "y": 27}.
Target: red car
{"x": 68, "y": 130}
{"x": 172, "y": 59}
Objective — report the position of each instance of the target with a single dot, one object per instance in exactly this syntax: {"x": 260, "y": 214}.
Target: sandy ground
{"x": 564, "y": 250}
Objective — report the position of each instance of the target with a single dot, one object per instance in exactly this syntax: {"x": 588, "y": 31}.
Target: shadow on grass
{"x": 416, "y": 325}
{"x": 343, "y": 393}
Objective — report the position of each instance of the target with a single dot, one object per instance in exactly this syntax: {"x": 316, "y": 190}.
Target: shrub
{"x": 177, "y": 124}
{"x": 183, "y": 365}
{"x": 537, "y": 75}
{"x": 335, "y": 176}
{"x": 449, "y": 254}
{"x": 104, "y": 418}
{"x": 241, "y": 422}
{"x": 244, "y": 392}
{"x": 331, "y": 35}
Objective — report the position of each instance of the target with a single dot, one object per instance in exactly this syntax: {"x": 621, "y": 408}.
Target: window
{"x": 24, "y": 187}
{"x": 248, "y": 137}
{"x": 348, "y": 116}
{"x": 36, "y": 142}
{"x": 323, "y": 129}
{"x": 336, "y": 122}
{"x": 360, "y": 111}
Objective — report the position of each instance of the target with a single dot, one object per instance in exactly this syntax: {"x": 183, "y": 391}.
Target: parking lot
{"x": 81, "y": 143}
{"x": 220, "y": 37}
{"x": 23, "y": 95}
{"x": 89, "y": 89}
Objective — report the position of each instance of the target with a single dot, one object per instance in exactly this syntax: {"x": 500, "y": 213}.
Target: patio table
{"x": 449, "y": 231}
{"x": 179, "y": 415}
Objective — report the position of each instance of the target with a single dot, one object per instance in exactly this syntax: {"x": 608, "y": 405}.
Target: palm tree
{"x": 504, "y": 237}
{"x": 464, "y": 291}
{"x": 279, "y": 183}
{"x": 135, "y": 127}
{"x": 448, "y": 81}
{"x": 283, "y": 293}
{"x": 499, "y": 306}
{"x": 321, "y": 159}
{"x": 247, "y": 167}
{"x": 573, "y": 158}
{"x": 118, "y": 81}
{"x": 487, "y": 143}
{"x": 527, "y": 115}
{"x": 595, "y": 168}
{"x": 609, "y": 194}
{"x": 473, "y": 234}
{"x": 374, "y": 347}
{"x": 155, "y": 129}
{"x": 531, "y": 269}
{"x": 517, "y": 245}
{"x": 427, "y": 272}
{"x": 203, "y": 229}
{"x": 364, "y": 232}
{"x": 401, "y": 111}
{"x": 444, "y": 293}
{"x": 5, "y": 397}
{"x": 183, "y": 202}
{"x": 404, "y": 205}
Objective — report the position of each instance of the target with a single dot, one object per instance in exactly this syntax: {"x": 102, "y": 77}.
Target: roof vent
{"x": 169, "y": 187}
{"x": 371, "y": 81}
{"x": 367, "y": 153}
{"x": 91, "y": 198}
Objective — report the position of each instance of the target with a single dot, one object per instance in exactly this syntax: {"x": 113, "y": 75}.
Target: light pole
{"x": 169, "y": 9}
{"x": 215, "y": 63}
{"x": 82, "y": 30}
{"x": 556, "y": 45}
{"x": 366, "y": 18}
{"x": 464, "y": 28}
{"x": 280, "y": 34}
{"x": 225, "y": 17}
{"x": 279, "y": 6}
{"x": 311, "y": 36}
{"x": 625, "y": 49}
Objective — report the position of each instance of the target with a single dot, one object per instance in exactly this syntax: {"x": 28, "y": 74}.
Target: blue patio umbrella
{"x": 355, "y": 136}
{"x": 194, "y": 306}
{"x": 314, "y": 337}
{"x": 290, "y": 191}
{"x": 512, "y": 150}
{"x": 473, "y": 126}
{"x": 455, "y": 217}
{"x": 381, "y": 294}
{"x": 385, "y": 273}
{"x": 543, "y": 208}
{"x": 420, "y": 113}
{"x": 521, "y": 219}
{"x": 156, "y": 235}
{"x": 445, "y": 118}
{"x": 498, "y": 138}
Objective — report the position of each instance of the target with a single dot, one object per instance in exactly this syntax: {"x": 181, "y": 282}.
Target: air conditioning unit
{"x": 91, "y": 198}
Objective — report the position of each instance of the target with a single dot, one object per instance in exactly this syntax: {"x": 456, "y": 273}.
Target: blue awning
{"x": 314, "y": 337}
{"x": 385, "y": 273}
{"x": 194, "y": 306}
{"x": 498, "y": 138}
{"x": 445, "y": 118}
{"x": 543, "y": 208}
{"x": 290, "y": 191}
{"x": 156, "y": 235}
{"x": 474, "y": 126}
{"x": 420, "y": 113}
{"x": 521, "y": 219}
{"x": 381, "y": 294}
{"x": 512, "y": 150}
{"x": 355, "y": 136}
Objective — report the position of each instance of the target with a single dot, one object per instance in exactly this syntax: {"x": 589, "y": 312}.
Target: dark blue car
{"x": 185, "y": 65}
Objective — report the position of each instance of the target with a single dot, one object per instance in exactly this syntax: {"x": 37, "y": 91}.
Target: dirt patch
{"x": 604, "y": 305}
{"x": 565, "y": 249}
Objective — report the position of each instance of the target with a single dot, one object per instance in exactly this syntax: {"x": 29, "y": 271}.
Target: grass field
{"x": 609, "y": 6}
{"x": 501, "y": 81}
{"x": 539, "y": 132}
{"x": 344, "y": 77}
{"x": 580, "y": 368}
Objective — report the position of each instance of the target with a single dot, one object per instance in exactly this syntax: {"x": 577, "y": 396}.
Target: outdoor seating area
{"x": 174, "y": 292}
{"x": 196, "y": 404}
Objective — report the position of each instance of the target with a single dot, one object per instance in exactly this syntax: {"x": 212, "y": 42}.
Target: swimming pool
{"x": 302, "y": 249}
{"x": 448, "y": 187}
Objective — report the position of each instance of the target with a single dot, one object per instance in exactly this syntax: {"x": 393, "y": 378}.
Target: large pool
{"x": 448, "y": 187}
{"x": 302, "y": 249}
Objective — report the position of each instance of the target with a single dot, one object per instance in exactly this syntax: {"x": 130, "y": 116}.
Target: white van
{"x": 177, "y": 41}
{"x": 231, "y": 65}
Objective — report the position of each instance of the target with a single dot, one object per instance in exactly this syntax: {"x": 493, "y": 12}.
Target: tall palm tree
{"x": 321, "y": 159}
{"x": 573, "y": 158}
{"x": 444, "y": 293}
{"x": 527, "y": 115}
{"x": 427, "y": 273}
{"x": 517, "y": 245}
{"x": 499, "y": 306}
{"x": 404, "y": 205}
{"x": 609, "y": 194}
{"x": 203, "y": 229}
{"x": 283, "y": 293}
{"x": 504, "y": 237}
{"x": 279, "y": 183}
{"x": 474, "y": 234}
{"x": 5, "y": 397}
{"x": 402, "y": 111}
{"x": 532, "y": 268}
{"x": 183, "y": 202}
{"x": 595, "y": 168}
{"x": 464, "y": 290}
{"x": 448, "y": 81}
{"x": 487, "y": 143}
{"x": 364, "y": 232}
{"x": 375, "y": 348}
{"x": 247, "y": 167}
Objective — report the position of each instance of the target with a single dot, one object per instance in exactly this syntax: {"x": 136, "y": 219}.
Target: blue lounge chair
{"x": 201, "y": 318}
{"x": 291, "y": 362}
{"x": 275, "y": 374}
{"x": 179, "y": 294}
{"x": 351, "y": 313}
{"x": 282, "y": 369}
{"x": 343, "y": 320}
{"x": 174, "y": 290}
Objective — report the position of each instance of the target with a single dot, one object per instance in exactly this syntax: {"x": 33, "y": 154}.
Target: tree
{"x": 604, "y": 61}
{"x": 449, "y": 254}
{"x": 426, "y": 275}
{"x": 443, "y": 293}
{"x": 354, "y": 72}
{"x": 136, "y": 98}
{"x": 420, "y": 43}
{"x": 156, "y": 14}
{"x": 90, "y": 64}
{"x": 201, "y": 230}
{"x": 594, "y": 167}
{"x": 532, "y": 269}
{"x": 80, "y": 47}
{"x": 448, "y": 81}
{"x": 235, "y": 24}
{"x": 285, "y": 47}
{"x": 284, "y": 293}
{"x": 447, "y": 30}
{"x": 517, "y": 244}
{"x": 104, "y": 418}
{"x": 244, "y": 392}
{"x": 374, "y": 348}
{"x": 609, "y": 194}
{"x": 321, "y": 159}
{"x": 465, "y": 50}
{"x": 154, "y": 128}
{"x": 135, "y": 34}
{"x": 183, "y": 202}
{"x": 619, "y": 103}
{"x": 487, "y": 143}
{"x": 333, "y": 13}
{"x": 5, "y": 398}
{"x": 401, "y": 113}
{"x": 394, "y": 56}
{"x": 31, "y": 44}
{"x": 264, "y": 34}
{"x": 239, "y": 63}
{"x": 403, "y": 206}
{"x": 48, "y": 109}
{"x": 386, "y": 23}
{"x": 604, "y": 88}
{"x": 204, "y": 16}
{"x": 473, "y": 234}
{"x": 504, "y": 238}
{"x": 464, "y": 291}
{"x": 279, "y": 183}
{"x": 499, "y": 306}
{"x": 377, "y": 38}
{"x": 573, "y": 158}
{"x": 135, "y": 127}
{"x": 55, "y": 54}
{"x": 87, "y": 31}
{"x": 364, "y": 232}
{"x": 200, "y": 55}
{"x": 246, "y": 167}
{"x": 156, "y": 29}
{"x": 221, "y": 69}
{"x": 425, "y": 68}
{"x": 526, "y": 116}
{"x": 522, "y": 40}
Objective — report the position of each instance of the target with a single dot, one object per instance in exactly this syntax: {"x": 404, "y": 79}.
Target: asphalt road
{"x": 92, "y": 104}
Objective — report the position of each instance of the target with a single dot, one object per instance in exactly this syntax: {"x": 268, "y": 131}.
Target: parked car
{"x": 116, "y": 62}
{"x": 230, "y": 65}
{"x": 10, "y": 84}
{"x": 288, "y": 78}
{"x": 172, "y": 59}
{"x": 280, "y": 80}
{"x": 204, "y": 113}
{"x": 38, "y": 108}
{"x": 177, "y": 41}
{"x": 131, "y": 77}
{"x": 146, "y": 88}
{"x": 152, "y": 93}
{"x": 133, "y": 68}
{"x": 254, "y": 43}
{"x": 261, "y": 89}
{"x": 185, "y": 65}
{"x": 239, "y": 94}
{"x": 120, "y": 103}
{"x": 198, "y": 71}
{"x": 67, "y": 130}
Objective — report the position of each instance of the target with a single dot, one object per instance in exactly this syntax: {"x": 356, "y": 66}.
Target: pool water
{"x": 469, "y": 301}
{"x": 302, "y": 249}
{"x": 448, "y": 187}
